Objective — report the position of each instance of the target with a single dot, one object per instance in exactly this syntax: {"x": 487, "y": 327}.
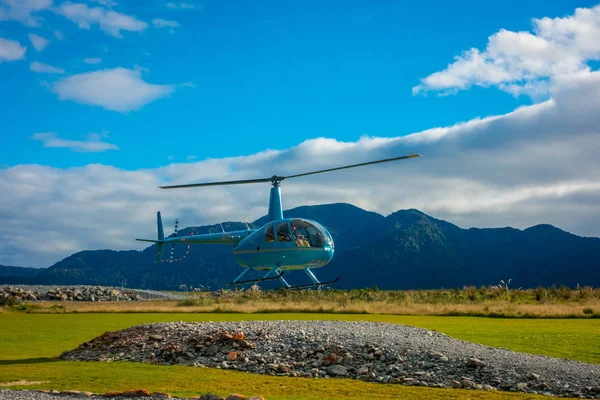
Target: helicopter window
{"x": 283, "y": 232}
{"x": 269, "y": 234}
{"x": 307, "y": 234}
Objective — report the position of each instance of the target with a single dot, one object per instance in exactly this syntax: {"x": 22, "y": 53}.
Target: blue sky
{"x": 102, "y": 101}
{"x": 266, "y": 74}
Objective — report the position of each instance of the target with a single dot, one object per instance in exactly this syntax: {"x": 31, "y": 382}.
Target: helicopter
{"x": 282, "y": 244}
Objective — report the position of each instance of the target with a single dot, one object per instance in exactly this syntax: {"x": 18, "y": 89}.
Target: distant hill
{"x": 405, "y": 250}
{"x": 16, "y": 273}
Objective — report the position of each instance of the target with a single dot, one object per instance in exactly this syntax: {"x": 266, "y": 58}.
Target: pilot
{"x": 301, "y": 241}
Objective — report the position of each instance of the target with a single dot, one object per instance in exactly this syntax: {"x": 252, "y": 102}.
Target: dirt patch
{"x": 22, "y": 382}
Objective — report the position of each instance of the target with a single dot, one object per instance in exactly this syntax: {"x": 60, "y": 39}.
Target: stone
{"x": 475, "y": 362}
{"x": 456, "y": 384}
{"x": 337, "y": 370}
{"x": 136, "y": 393}
{"x": 156, "y": 337}
{"x": 210, "y": 396}
{"x": 235, "y": 397}
{"x": 160, "y": 395}
{"x": 363, "y": 371}
{"x": 521, "y": 386}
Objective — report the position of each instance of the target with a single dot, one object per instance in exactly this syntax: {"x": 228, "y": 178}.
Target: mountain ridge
{"x": 406, "y": 249}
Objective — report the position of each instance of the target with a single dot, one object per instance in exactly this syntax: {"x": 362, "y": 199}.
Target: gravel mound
{"x": 376, "y": 352}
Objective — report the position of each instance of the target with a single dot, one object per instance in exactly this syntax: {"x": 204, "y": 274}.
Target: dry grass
{"x": 489, "y": 308}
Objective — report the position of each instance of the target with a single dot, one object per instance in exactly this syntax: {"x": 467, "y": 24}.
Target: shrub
{"x": 588, "y": 311}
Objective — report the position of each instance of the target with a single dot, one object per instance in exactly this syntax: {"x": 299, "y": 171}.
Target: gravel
{"x": 375, "y": 352}
{"x": 145, "y": 294}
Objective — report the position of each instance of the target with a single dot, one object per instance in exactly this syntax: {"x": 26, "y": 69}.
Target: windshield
{"x": 307, "y": 234}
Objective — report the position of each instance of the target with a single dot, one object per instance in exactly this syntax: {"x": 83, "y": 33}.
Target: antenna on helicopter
{"x": 246, "y": 222}
{"x": 222, "y": 229}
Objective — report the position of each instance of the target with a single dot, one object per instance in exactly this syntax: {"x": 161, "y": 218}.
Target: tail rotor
{"x": 160, "y": 243}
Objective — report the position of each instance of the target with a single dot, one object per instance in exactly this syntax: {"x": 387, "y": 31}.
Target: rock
{"x": 159, "y": 395}
{"x": 456, "y": 384}
{"x": 521, "y": 386}
{"x": 363, "y": 371}
{"x": 475, "y": 362}
{"x": 235, "y": 397}
{"x": 210, "y": 396}
{"x": 534, "y": 376}
{"x": 337, "y": 370}
{"x": 136, "y": 393}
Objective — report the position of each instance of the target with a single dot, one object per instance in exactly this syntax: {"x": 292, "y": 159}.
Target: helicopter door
{"x": 283, "y": 232}
{"x": 270, "y": 234}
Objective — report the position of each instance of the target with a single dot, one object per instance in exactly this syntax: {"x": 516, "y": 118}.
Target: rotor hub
{"x": 276, "y": 180}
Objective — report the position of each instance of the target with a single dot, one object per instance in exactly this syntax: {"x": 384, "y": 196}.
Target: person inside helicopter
{"x": 307, "y": 235}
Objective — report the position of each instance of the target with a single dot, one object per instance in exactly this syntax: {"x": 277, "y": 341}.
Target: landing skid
{"x": 257, "y": 280}
{"x": 319, "y": 284}
{"x": 276, "y": 274}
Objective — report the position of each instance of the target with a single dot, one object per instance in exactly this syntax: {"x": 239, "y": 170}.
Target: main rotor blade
{"x": 218, "y": 183}
{"x": 276, "y": 179}
{"x": 354, "y": 165}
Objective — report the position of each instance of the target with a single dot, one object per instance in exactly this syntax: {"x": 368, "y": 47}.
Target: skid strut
{"x": 238, "y": 281}
{"x": 276, "y": 274}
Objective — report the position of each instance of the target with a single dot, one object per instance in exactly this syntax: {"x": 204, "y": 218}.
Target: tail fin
{"x": 160, "y": 243}
{"x": 161, "y": 232}
{"x": 161, "y": 236}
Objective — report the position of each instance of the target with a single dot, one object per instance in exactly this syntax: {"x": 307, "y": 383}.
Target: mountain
{"x": 405, "y": 250}
{"x": 16, "y": 273}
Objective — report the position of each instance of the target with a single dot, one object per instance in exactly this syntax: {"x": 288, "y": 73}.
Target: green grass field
{"x": 29, "y": 344}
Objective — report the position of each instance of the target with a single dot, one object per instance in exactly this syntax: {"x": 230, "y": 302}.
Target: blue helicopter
{"x": 282, "y": 244}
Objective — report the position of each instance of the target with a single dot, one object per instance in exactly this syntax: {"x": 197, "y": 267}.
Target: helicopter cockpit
{"x": 300, "y": 231}
{"x": 309, "y": 234}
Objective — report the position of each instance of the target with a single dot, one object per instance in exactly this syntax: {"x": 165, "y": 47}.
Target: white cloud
{"x": 106, "y": 3}
{"x": 117, "y": 89}
{"x": 109, "y": 21}
{"x": 181, "y": 6}
{"x": 93, "y": 60}
{"x": 59, "y": 35}
{"x": 45, "y": 68}
{"x": 38, "y": 42}
{"x": 93, "y": 143}
{"x": 162, "y": 23}
{"x": 525, "y": 62}
{"x": 537, "y": 164}
{"x": 11, "y": 50}
{"x": 22, "y": 10}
